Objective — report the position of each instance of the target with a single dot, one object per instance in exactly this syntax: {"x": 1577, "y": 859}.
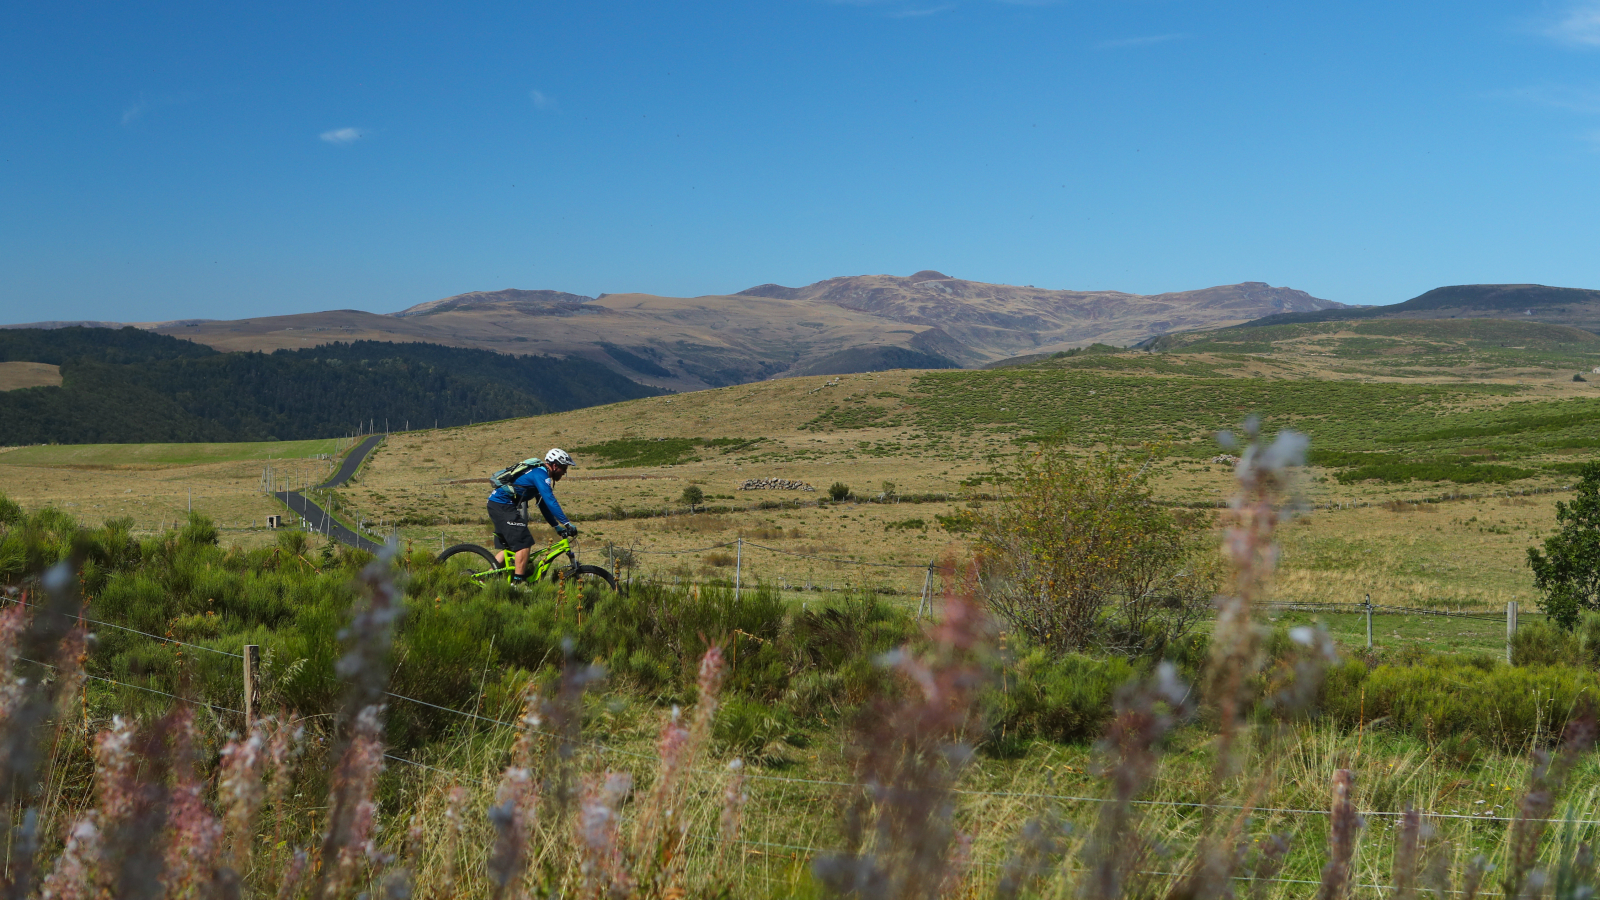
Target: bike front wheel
{"x": 583, "y": 577}
{"x": 478, "y": 562}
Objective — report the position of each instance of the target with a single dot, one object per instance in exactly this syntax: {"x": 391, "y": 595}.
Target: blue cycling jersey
{"x": 534, "y": 486}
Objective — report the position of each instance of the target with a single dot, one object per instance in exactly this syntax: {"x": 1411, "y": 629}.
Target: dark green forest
{"x": 131, "y": 386}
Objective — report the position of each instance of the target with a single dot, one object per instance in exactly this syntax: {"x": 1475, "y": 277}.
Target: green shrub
{"x": 839, "y": 491}
{"x": 198, "y": 530}
{"x": 10, "y": 512}
{"x": 752, "y": 729}
{"x": 1540, "y": 644}
{"x": 1059, "y": 697}
{"x": 1445, "y": 697}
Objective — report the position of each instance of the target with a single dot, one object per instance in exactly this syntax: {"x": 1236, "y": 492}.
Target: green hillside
{"x": 1404, "y": 347}
{"x": 1539, "y": 302}
{"x": 127, "y": 385}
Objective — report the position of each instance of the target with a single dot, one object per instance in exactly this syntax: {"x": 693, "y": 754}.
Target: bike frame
{"x": 539, "y": 564}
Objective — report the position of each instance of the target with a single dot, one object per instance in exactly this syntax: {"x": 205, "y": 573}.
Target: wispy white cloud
{"x": 900, "y": 9}
{"x": 541, "y": 100}
{"x": 340, "y": 137}
{"x": 134, "y": 110}
{"x": 1578, "y": 100}
{"x": 1579, "y": 25}
{"x": 912, "y": 12}
{"x": 1146, "y": 40}
{"x": 1584, "y": 102}
{"x": 148, "y": 103}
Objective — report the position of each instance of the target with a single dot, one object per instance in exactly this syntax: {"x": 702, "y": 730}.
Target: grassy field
{"x": 14, "y": 375}
{"x": 801, "y": 721}
{"x": 915, "y": 449}
{"x": 1501, "y": 424}
{"x": 156, "y": 485}
{"x": 167, "y": 454}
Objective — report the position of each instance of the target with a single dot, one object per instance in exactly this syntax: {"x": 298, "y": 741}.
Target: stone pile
{"x": 774, "y": 484}
{"x": 1225, "y": 459}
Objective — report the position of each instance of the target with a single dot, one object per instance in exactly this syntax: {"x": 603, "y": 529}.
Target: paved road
{"x": 318, "y": 518}
{"x": 352, "y": 462}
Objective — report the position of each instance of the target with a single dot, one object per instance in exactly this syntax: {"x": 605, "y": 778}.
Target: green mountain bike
{"x": 542, "y": 564}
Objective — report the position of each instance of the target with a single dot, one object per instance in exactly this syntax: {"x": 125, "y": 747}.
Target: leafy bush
{"x": 10, "y": 512}
{"x": 1444, "y": 696}
{"x": 839, "y": 491}
{"x": 1539, "y": 644}
{"x": 753, "y": 730}
{"x": 1081, "y": 557}
{"x": 693, "y": 496}
{"x": 1062, "y": 698}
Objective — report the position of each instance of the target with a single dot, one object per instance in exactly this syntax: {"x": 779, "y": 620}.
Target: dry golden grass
{"x": 1377, "y": 540}
{"x": 156, "y": 496}
{"x": 792, "y": 814}
{"x": 14, "y": 375}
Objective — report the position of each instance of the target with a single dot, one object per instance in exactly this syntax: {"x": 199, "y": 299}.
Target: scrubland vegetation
{"x": 1075, "y": 718}
{"x": 424, "y": 737}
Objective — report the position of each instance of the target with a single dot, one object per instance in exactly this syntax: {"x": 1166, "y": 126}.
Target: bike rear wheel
{"x": 477, "y": 561}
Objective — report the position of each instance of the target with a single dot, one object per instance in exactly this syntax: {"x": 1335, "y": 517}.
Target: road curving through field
{"x": 318, "y": 518}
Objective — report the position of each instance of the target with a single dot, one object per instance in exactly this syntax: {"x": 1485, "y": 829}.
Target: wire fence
{"x": 808, "y": 853}
{"x": 602, "y": 747}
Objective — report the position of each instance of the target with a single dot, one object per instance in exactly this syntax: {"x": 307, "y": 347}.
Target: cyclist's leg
{"x": 511, "y": 531}
{"x": 499, "y": 549}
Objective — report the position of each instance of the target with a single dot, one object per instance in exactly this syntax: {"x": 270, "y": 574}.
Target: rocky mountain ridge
{"x": 846, "y": 324}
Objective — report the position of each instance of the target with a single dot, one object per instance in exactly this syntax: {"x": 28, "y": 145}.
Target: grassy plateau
{"x": 1438, "y": 451}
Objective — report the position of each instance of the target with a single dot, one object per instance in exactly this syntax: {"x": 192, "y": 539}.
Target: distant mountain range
{"x": 851, "y": 324}
{"x": 1577, "y": 307}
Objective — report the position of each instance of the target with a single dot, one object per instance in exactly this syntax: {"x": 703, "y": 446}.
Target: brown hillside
{"x": 689, "y": 343}
{"x": 1000, "y": 320}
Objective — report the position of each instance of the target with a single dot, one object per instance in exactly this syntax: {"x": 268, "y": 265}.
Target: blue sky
{"x": 215, "y": 160}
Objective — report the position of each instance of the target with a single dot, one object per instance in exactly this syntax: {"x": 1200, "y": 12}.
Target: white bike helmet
{"x": 558, "y": 455}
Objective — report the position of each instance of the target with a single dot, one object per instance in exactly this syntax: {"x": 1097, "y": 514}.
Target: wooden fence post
{"x": 926, "y": 581}
{"x": 1369, "y": 621}
{"x": 738, "y": 567}
{"x": 252, "y": 682}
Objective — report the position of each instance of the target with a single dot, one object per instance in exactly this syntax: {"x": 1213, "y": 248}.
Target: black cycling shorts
{"x": 509, "y": 527}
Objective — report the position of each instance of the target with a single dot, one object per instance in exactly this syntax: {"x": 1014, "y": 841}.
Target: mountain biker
{"x": 504, "y": 509}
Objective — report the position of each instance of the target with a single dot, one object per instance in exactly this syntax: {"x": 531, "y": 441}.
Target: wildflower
{"x": 512, "y": 816}
{"x": 71, "y": 878}
{"x": 455, "y": 828}
{"x": 240, "y": 786}
{"x": 734, "y": 797}
{"x": 115, "y": 765}
{"x": 194, "y": 834}
{"x": 599, "y": 818}
{"x": 353, "y": 812}
{"x": 1343, "y": 825}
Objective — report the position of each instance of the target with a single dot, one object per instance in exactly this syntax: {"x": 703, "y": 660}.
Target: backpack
{"x": 505, "y": 477}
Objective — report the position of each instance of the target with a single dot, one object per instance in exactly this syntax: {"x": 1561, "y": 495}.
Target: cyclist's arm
{"x": 547, "y": 498}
